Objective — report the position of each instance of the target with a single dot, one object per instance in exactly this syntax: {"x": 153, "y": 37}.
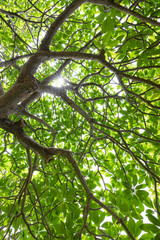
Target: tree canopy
{"x": 80, "y": 119}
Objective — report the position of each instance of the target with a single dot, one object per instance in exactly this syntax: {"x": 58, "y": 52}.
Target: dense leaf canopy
{"x": 80, "y": 119}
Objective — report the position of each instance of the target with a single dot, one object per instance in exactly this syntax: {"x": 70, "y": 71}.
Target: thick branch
{"x": 28, "y": 85}
{"x": 1, "y": 89}
{"x": 50, "y": 78}
{"x": 13, "y": 60}
{"x": 46, "y": 55}
{"x": 24, "y": 86}
{"x": 16, "y": 128}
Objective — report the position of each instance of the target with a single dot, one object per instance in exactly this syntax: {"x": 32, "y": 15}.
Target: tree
{"x": 79, "y": 119}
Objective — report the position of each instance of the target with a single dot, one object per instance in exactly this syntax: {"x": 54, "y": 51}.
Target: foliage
{"x": 80, "y": 119}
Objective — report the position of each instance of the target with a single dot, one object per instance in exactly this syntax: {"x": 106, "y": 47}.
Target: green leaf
{"x": 74, "y": 209}
{"x": 141, "y": 186}
{"x": 95, "y": 218}
{"x": 135, "y": 179}
{"x": 137, "y": 228}
{"x": 136, "y": 214}
{"x": 157, "y": 237}
{"x": 142, "y": 194}
{"x": 107, "y": 225}
{"x": 108, "y": 26}
{"x": 150, "y": 228}
{"x": 147, "y": 236}
{"x": 131, "y": 225}
{"x": 107, "y": 38}
{"x": 124, "y": 207}
{"x": 153, "y": 219}
{"x": 148, "y": 202}
{"x": 101, "y": 17}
